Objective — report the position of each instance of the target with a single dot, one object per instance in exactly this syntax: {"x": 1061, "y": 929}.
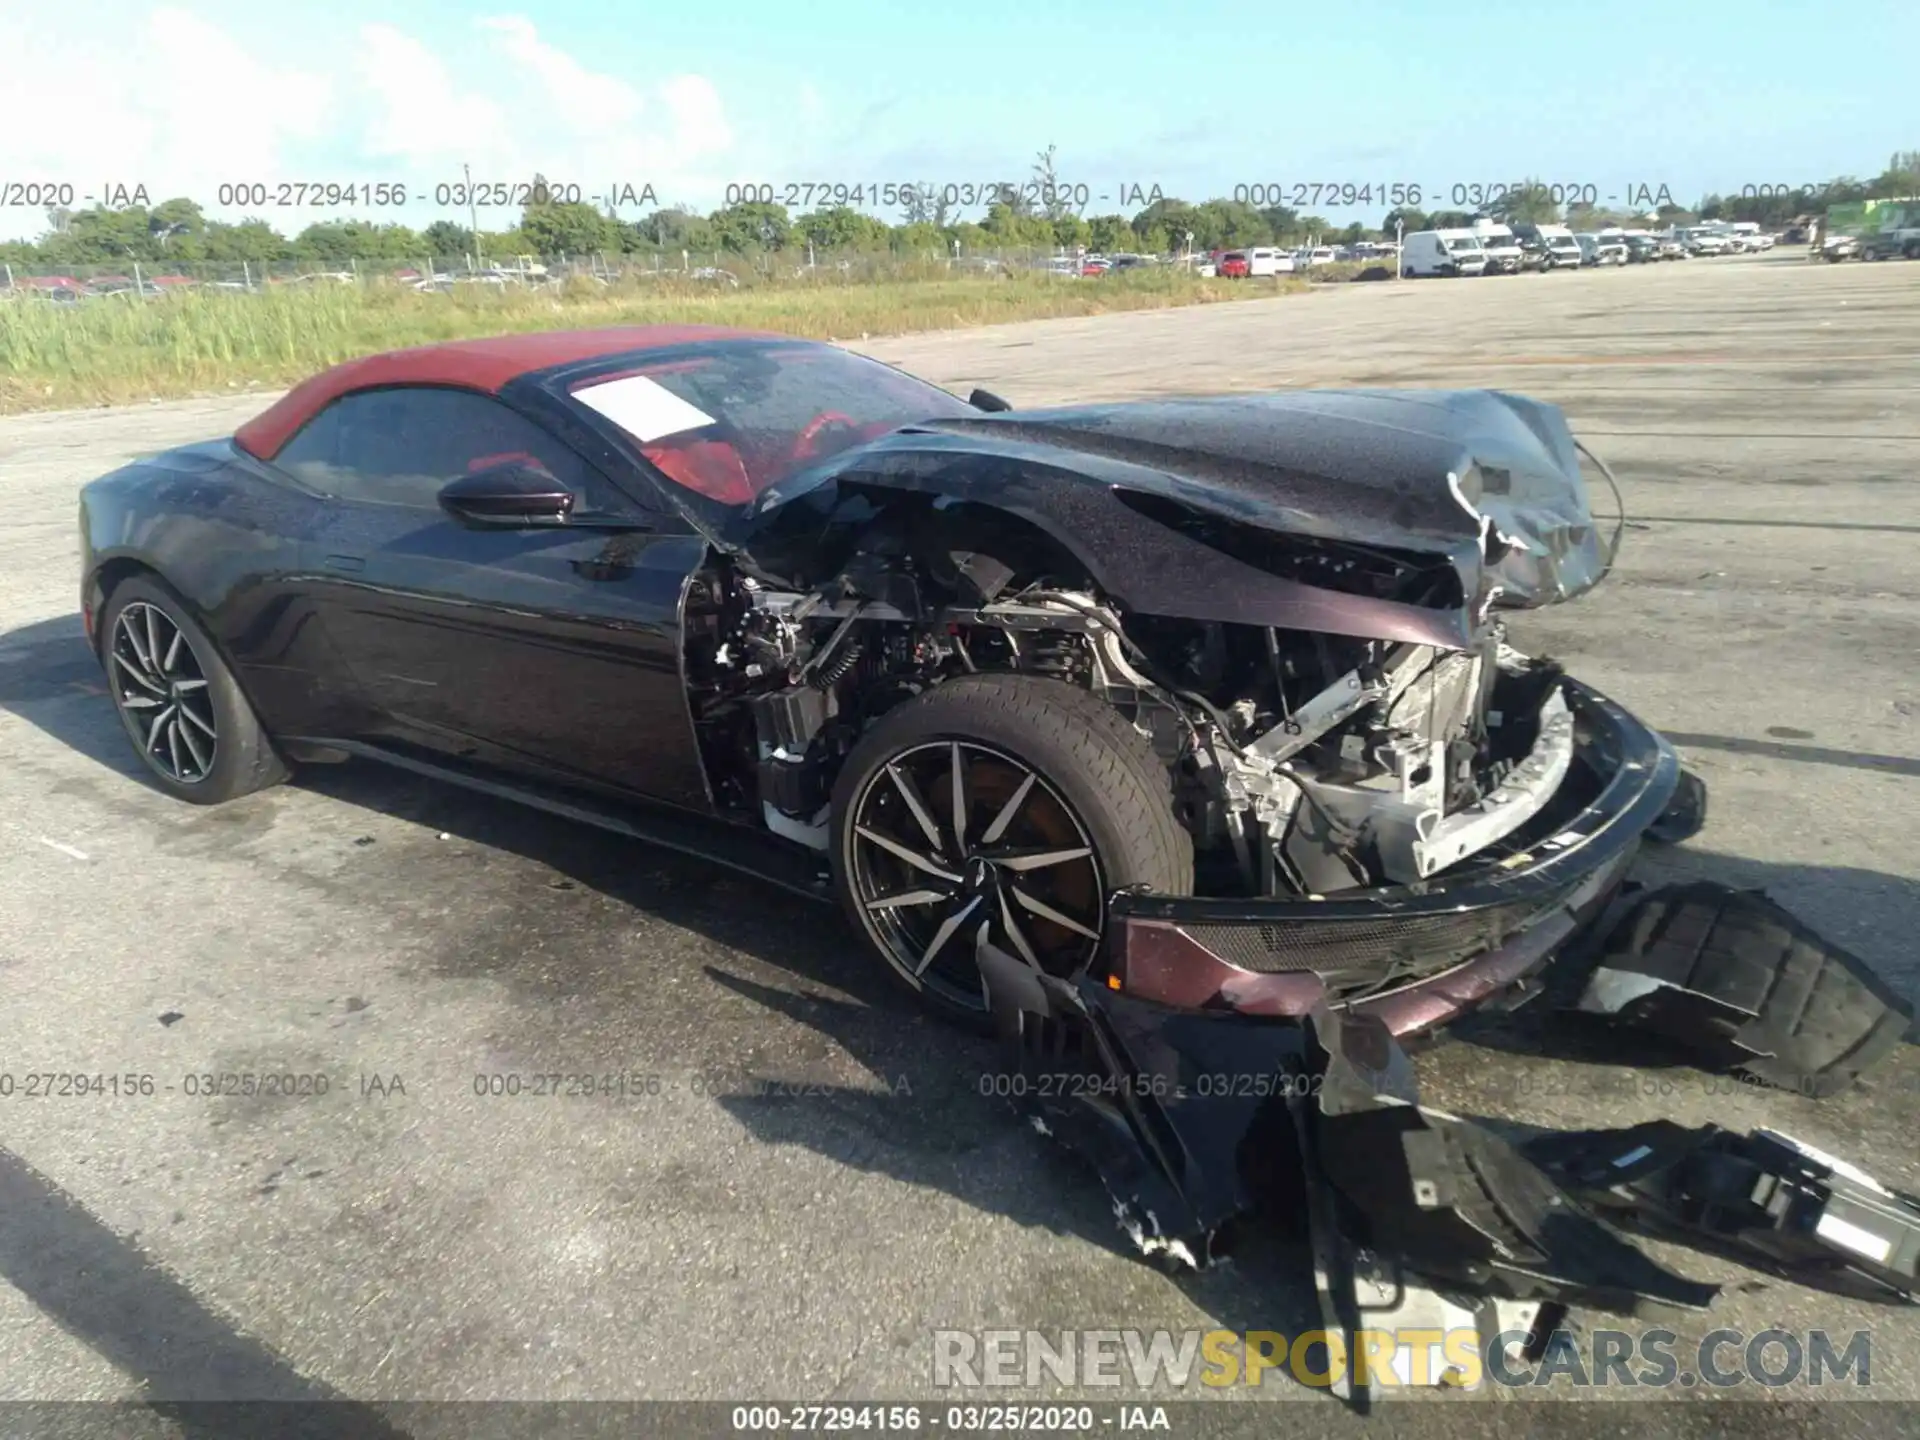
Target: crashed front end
{"x": 1404, "y": 822}
{"x": 1394, "y": 809}
{"x": 1538, "y": 859}
{"x": 1298, "y": 600}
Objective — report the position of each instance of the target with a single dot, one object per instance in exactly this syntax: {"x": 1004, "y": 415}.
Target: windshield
{"x": 733, "y": 421}
{"x": 1462, "y": 242}
{"x": 1563, "y": 242}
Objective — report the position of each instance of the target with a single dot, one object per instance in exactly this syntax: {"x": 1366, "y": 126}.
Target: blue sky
{"x": 1194, "y": 97}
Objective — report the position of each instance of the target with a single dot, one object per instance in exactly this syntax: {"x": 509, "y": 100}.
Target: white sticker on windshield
{"x": 642, "y": 407}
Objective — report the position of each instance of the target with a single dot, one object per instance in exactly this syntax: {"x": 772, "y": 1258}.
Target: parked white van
{"x": 1502, "y": 247}
{"x": 1265, "y": 260}
{"x": 1442, "y": 252}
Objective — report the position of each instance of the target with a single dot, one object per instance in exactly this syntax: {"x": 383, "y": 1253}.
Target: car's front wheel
{"x": 186, "y": 715}
{"x": 1003, "y": 807}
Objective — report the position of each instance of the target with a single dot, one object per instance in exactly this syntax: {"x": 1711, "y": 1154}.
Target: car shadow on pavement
{"x": 192, "y": 1366}
{"x": 794, "y": 993}
{"x": 1021, "y": 1174}
{"x": 47, "y": 663}
{"x": 789, "y": 995}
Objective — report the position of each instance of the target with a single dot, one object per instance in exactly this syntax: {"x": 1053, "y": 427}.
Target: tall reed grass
{"x": 116, "y": 349}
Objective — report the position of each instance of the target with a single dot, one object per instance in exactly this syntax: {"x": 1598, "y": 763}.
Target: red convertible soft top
{"x": 484, "y": 365}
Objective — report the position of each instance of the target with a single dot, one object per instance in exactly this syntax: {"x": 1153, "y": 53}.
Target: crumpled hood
{"x": 1410, "y": 469}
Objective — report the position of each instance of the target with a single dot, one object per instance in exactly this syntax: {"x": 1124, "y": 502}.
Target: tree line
{"x": 177, "y": 231}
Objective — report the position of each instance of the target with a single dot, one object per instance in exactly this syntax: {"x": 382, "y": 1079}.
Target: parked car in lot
{"x": 1503, "y": 250}
{"x": 1601, "y": 249}
{"x": 1429, "y": 253}
{"x": 1234, "y": 265}
{"x": 1558, "y": 249}
{"x": 1700, "y": 241}
{"x": 1750, "y": 235}
{"x": 1265, "y": 260}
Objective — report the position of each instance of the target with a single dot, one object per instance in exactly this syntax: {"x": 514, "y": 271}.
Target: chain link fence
{"x": 795, "y": 264}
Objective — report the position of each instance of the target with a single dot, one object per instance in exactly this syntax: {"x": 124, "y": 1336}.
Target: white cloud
{"x": 581, "y": 100}
{"x": 176, "y": 103}
{"x": 521, "y": 106}
{"x": 173, "y": 103}
{"x": 417, "y": 114}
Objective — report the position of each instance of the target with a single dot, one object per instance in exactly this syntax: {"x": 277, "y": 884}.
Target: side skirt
{"x": 765, "y": 857}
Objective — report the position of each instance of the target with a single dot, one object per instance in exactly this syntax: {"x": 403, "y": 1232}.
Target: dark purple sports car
{"x": 1206, "y": 698}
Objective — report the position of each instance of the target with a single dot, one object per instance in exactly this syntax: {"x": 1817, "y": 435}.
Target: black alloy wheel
{"x": 181, "y": 706}
{"x": 954, "y": 841}
{"x": 160, "y": 687}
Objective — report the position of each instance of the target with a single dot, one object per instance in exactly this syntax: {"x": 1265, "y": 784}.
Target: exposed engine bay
{"x": 1303, "y": 763}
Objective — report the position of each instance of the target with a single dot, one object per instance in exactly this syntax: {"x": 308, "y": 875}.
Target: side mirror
{"x": 988, "y": 401}
{"x": 511, "y": 495}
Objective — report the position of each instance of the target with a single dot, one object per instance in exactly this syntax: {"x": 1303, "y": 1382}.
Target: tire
{"x": 203, "y": 743}
{"x": 1096, "y": 787}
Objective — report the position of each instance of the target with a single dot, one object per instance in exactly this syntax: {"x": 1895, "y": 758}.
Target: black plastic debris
{"x": 1764, "y": 1199}
{"x": 1458, "y": 1205}
{"x": 1747, "y": 987}
{"x": 1162, "y": 1103}
{"x": 1685, "y": 815}
{"x": 1199, "y": 1122}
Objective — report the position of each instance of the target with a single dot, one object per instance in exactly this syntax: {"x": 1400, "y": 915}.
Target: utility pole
{"x": 473, "y": 218}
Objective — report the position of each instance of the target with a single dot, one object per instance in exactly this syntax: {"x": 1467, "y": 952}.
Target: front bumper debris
{"x": 1415, "y": 956}
{"x": 1203, "y": 1122}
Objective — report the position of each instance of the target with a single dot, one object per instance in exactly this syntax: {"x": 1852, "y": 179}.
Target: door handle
{"x": 349, "y": 563}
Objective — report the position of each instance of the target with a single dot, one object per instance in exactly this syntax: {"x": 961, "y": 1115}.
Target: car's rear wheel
{"x": 186, "y": 715}
{"x": 1002, "y": 807}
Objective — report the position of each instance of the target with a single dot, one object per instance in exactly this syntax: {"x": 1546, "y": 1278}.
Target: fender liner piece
{"x": 1747, "y": 987}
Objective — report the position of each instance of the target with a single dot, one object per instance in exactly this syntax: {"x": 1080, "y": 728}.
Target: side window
{"x": 400, "y": 446}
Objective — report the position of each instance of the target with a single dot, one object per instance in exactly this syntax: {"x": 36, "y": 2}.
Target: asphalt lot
{"x": 728, "y": 1238}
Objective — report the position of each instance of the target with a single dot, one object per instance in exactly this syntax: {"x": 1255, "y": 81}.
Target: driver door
{"x": 552, "y": 649}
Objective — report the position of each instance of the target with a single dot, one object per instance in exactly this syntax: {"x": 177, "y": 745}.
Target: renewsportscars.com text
{"x": 1215, "y": 1359}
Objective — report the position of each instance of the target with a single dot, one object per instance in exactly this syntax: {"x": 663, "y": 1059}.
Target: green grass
{"x": 112, "y": 350}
